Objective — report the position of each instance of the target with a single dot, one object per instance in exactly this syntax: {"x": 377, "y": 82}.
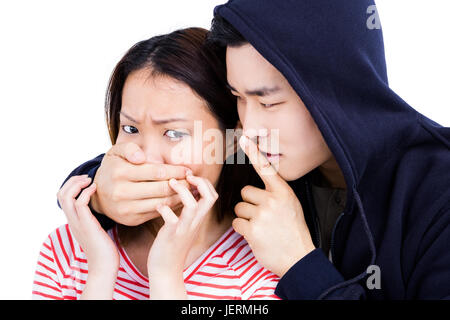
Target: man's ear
{"x": 232, "y": 140}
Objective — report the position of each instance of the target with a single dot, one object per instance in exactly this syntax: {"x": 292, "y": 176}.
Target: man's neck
{"x": 332, "y": 173}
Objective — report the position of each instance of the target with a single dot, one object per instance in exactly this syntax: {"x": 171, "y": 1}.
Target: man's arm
{"x": 312, "y": 276}
{"x": 90, "y": 168}
{"x": 315, "y": 277}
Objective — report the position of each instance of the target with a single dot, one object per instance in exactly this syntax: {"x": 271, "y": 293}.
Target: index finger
{"x": 155, "y": 172}
{"x": 262, "y": 166}
{"x": 128, "y": 151}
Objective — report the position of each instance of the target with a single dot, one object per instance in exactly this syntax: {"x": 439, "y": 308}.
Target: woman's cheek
{"x": 180, "y": 153}
{"x": 122, "y": 138}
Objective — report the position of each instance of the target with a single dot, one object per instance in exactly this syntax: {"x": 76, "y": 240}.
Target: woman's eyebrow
{"x": 128, "y": 117}
{"x": 155, "y": 121}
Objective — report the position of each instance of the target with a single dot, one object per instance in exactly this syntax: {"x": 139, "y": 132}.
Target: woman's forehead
{"x": 158, "y": 99}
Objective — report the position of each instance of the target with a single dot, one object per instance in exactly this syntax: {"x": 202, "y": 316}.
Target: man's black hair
{"x": 224, "y": 34}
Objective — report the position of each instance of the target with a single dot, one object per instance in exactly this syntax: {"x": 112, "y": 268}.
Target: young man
{"x": 372, "y": 216}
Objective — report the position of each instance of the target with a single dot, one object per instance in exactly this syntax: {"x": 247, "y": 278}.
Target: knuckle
{"x": 271, "y": 202}
{"x": 116, "y": 194}
{"x": 79, "y": 203}
{"x": 245, "y": 190}
{"x": 117, "y": 174}
{"x": 160, "y": 172}
{"x": 164, "y": 188}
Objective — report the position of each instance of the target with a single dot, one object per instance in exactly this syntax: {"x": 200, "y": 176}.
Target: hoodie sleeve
{"x": 315, "y": 277}
{"x": 430, "y": 278}
{"x": 312, "y": 276}
{"x": 90, "y": 168}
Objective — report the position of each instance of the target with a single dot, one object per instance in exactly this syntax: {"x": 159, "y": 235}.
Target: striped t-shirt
{"x": 227, "y": 270}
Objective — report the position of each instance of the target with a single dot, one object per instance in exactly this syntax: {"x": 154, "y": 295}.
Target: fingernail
{"x": 173, "y": 181}
{"x": 189, "y": 172}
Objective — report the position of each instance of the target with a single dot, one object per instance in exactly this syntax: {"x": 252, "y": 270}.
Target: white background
{"x": 56, "y": 58}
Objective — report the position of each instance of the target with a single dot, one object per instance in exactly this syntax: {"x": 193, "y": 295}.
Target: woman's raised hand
{"x": 101, "y": 252}
{"x": 169, "y": 250}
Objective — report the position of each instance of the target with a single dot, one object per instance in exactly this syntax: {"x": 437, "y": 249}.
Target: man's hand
{"x": 271, "y": 220}
{"x": 129, "y": 189}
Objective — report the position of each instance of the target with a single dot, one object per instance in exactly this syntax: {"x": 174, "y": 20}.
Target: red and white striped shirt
{"x": 227, "y": 270}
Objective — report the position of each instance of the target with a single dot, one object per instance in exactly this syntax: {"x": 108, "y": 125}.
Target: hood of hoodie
{"x": 334, "y": 59}
{"x": 336, "y": 64}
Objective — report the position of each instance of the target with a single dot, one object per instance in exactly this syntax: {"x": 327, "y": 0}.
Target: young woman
{"x": 168, "y": 95}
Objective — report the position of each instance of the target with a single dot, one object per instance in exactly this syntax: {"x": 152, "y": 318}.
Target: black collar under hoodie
{"x": 396, "y": 161}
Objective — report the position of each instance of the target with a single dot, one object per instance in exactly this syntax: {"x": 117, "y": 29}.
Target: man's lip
{"x": 268, "y": 154}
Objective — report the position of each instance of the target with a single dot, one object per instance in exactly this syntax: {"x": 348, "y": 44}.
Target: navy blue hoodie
{"x": 396, "y": 161}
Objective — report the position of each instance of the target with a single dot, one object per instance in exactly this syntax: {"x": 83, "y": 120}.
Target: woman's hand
{"x": 169, "y": 251}
{"x": 101, "y": 252}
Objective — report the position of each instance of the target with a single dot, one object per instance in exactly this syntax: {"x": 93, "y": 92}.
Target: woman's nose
{"x": 153, "y": 154}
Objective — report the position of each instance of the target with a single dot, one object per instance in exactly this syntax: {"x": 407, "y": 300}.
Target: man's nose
{"x": 252, "y": 127}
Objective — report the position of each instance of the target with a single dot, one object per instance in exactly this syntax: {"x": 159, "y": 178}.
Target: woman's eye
{"x": 174, "y": 135}
{"x": 129, "y": 129}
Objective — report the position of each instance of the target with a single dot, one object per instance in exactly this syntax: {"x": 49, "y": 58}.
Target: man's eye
{"x": 174, "y": 135}
{"x": 269, "y": 105}
{"x": 129, "y": 129}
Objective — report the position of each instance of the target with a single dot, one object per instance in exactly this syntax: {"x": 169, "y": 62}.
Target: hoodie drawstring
{"x": 371, "y": 246}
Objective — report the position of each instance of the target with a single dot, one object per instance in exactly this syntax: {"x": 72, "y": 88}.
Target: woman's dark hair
{"x": 185, "y": 55}
{"x": 224, "y": 34}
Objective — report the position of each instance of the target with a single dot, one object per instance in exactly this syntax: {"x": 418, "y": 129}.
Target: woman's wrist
{"x": 168, "y": 286}
{"x": 99, "y": 284}
{"x": 107, "y": 266}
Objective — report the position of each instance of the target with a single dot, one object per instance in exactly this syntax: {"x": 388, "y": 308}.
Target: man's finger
{"x": 146, "y": 190}
{"x": 155, "y": 172}
{"x": 148, "y": 205}
{"x": 262, "y": 166}
{"x": 241, "y": 226}
{"x": 128, "y": 151}
{"x": 253, "y": 194}
{"x": 245, "y": 210}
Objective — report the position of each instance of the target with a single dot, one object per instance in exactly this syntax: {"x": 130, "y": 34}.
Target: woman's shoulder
{"x": 64, "y": 249}
{"x": 232, "y": 266}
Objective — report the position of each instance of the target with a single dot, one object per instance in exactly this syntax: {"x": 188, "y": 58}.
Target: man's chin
{"x": 288, "y": 174}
